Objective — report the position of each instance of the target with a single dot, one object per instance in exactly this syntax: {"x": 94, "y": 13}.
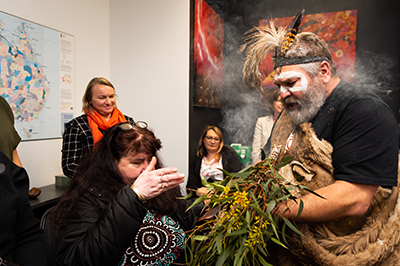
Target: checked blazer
{"x": 77, "y": 141}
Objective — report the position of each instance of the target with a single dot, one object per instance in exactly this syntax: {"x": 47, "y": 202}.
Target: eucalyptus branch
{"x": 247, "y": 222}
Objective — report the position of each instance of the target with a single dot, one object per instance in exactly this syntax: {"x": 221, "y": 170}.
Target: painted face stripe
{"x": 293, "y": 74}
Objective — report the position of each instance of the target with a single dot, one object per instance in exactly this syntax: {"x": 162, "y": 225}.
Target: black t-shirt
{"x": 362, "y": 131}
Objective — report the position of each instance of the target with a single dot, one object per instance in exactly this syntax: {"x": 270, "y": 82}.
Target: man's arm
{"x": 342, "y": 199}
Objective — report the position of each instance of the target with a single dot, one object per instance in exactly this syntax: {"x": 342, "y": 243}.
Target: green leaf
{"x": 239, "y": 255}
{"x": 189, "y": 253}
{"x": 287, "y": 159}
{"x": 225, "y": 254}
{"x": 222, "y": 200}
{"x": 266, "y": 185}
{"x": 187, "y": 197}
{"x": 259, "y": 210}
{"x": 266, "y": 162}
{"x": 271, "y": 205}
{"x": 226, "y": 182}
{"x": 284, "y": 233}
{"x": 248, "y": 216}
{"x": 280, "y": 199}
{"x": 273, "y": 224}
{"x": 248, "y": 168}
{"x": 276, "y": 241}
{"x": 301, "y": 206}
{"x": 204, "y": 182}
{"x": 291, "y": 226}
{"x": 239, "y": 232}
{"x": 218, "y": 242}
{"x": 284, "y": 161}
{"x": 277, "y": 191}
{"x": 311, "y": 191}
{"x": 245, "y": 174}
{"x": 217, "y": 186}
{"x": 273, "y": 220}
{"x": 197, "y": 201}
{"x": 285, "y": 189}
{"x": 199, "y": 237}
{"x": 252, "y": 196}
{"x": 263, "y": 262}
{"x": 262, "y": 250}
{"x": 225, "y": 172}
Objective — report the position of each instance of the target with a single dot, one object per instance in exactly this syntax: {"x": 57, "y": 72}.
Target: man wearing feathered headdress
{"x": 343, "y": 142}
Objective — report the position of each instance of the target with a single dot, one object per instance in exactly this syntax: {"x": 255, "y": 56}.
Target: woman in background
{"x": 121, "y": 208}
{"x": 211, "y": 155}
{"x": 264, "y": 125}
{"x": 83, "y": 132}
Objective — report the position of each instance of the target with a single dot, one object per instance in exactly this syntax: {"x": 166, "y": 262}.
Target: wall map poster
{"x": 36, "y": 76}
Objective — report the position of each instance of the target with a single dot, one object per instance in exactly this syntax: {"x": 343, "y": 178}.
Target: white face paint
{"x": 293, "y": 74}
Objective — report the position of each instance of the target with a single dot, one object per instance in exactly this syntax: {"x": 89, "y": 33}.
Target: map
{"x": 31, "y": 76}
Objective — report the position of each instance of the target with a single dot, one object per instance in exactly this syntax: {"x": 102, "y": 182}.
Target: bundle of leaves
{"x": 246, "y": 219}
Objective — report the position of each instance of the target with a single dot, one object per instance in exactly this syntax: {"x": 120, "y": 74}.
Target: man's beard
{"x": 313, "y": 98}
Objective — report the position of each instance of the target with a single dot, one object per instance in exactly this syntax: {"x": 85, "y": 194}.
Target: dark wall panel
{"x": 377, "y": 59}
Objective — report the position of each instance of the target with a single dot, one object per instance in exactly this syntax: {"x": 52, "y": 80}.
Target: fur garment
{"x": 371, "y": 239}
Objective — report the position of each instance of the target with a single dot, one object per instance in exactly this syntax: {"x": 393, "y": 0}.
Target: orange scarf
{"x": 96, "y": 121}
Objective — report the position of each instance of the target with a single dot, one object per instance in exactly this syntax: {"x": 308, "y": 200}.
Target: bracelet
{"x": 140, "y": 196}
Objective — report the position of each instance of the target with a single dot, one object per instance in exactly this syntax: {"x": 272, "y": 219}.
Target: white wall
{"x": 148, "y": 57}
{"x": 88, "y": 21}
{"x": 150, "y": 69}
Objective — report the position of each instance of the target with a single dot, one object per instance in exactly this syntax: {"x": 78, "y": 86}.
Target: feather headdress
{"x": 271, "y": 41}
{"x": 260, "y": 42}
{"x": 291, "y": 33}
{"x": 264, "y": 40}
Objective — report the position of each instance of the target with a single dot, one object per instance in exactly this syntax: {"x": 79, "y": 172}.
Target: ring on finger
{"x": 163, "y": 186}
{"x": 161, "y": 179}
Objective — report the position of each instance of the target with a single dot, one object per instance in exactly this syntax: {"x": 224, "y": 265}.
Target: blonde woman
{"x": 99, "y": 104}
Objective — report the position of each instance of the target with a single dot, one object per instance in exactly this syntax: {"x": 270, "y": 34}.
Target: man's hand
{"x": 342, "y": 199}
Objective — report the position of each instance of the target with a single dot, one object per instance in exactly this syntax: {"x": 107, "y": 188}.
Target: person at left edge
{"x": 9, "y": 138}
{"x": 83, "y": 132}
{"x": 21, "y": 239}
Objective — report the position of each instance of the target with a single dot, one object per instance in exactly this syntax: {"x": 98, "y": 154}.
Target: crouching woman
{"x": 122, "y": 208}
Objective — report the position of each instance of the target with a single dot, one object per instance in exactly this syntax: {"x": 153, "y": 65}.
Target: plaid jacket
{"x": 77, "y": 141}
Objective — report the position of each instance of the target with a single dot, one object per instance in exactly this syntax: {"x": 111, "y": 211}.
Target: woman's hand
{"x": 152, "y": 183}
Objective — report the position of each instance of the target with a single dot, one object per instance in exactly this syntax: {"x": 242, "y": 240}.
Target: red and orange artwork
{"x": 338, "y": 29}
{"x": 208, "y": 55}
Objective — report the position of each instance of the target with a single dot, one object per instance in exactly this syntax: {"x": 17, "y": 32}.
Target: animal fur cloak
{"x": 371, "y": 239}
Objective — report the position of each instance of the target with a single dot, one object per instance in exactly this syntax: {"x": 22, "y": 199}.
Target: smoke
{"x": 374, "y": 72}
{"x": 241, "y": 107}
{"x": 238, "y": 122}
